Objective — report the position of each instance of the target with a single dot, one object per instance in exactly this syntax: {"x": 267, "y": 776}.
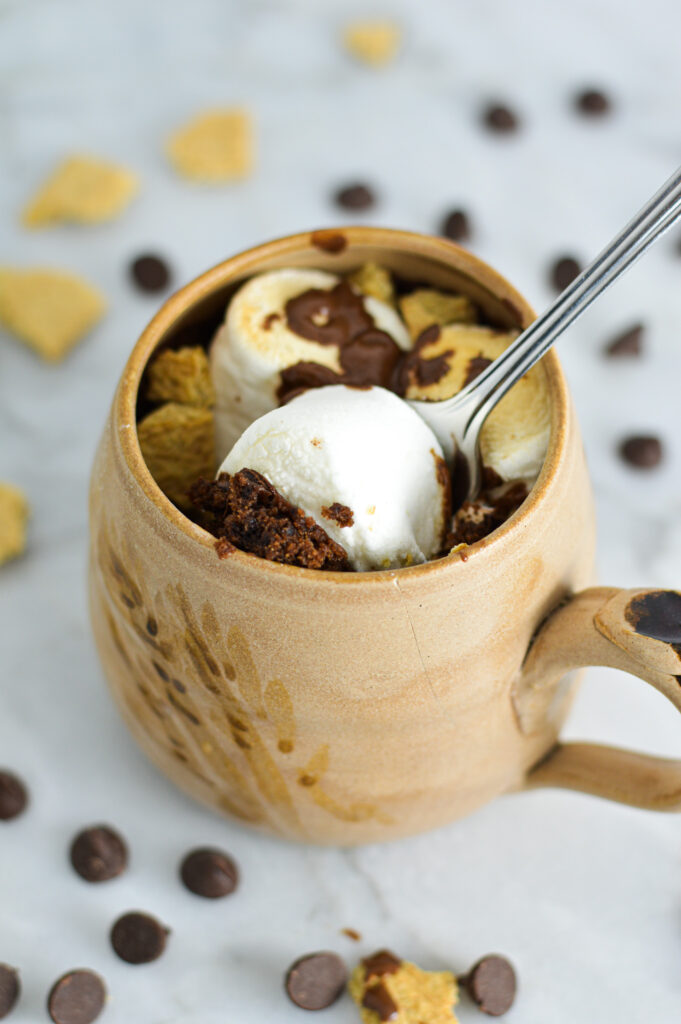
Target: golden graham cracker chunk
{"x": 82, "y": 190}
{"x": 13, "y": 518}
{"x": 427, "y": 306}
{"x": 373, "y": 42}
{"x": 522, "y": 419}
{"x": 182, "y": 376}
{"x": 47, "y": 309}
{"x": 178, "y": 446}
{"x": 407, "y": 995}
{"x": 374, "y": 280}
{"x": 216, "y": 146}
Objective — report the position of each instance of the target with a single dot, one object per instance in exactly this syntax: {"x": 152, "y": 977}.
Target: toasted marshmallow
{"x": 363, "y": 464}
{"x": 515, "y": 436}
{"x": 255, "y": 343}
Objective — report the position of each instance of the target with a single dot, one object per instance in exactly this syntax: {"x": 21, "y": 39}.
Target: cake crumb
{"x": 82, "y": 190}
{"x": 178, "y": 445}
{"x": 182, "y": 376}
{"x": 14, "y": 512}
{"x": 47, "y": 309}
{"x": 373, "y": 42}
{"x": 352, "y": 933}
{"x": 216, "y": 146}
{"x": 246, "y": 511}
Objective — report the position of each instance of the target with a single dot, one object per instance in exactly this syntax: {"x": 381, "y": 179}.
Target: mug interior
{"x": 192, "y": 315}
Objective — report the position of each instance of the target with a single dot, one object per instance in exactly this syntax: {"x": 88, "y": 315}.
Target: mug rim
{"x": 199, "y": 288}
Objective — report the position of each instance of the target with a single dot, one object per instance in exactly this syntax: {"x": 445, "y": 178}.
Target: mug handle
{"x": 635, "y": 630}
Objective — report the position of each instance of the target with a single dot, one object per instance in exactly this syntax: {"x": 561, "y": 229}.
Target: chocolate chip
{"x": 316, "y": 981}
{"x": 628, "y": 343}
{"x": 380, "y": 963}
{"x": 98, "y": 854}
{"x": 9, "y": 989}
{"x": 592, "y": 103}
{"x": 378, "y": 1000}
{"x": 138, "y": 938}
{"x": 150, "y": 273}
{"x": 456, "y": 226}
{"x": 643, "y": 451}
{"x": 76, "y": 998}
{"x": 13, "y": 796}
{"x": 209, "y": 873}
{"x": 499, "y": 118}
{"x": 355, "y": 197}
{"x": 491, "y": 983}
{"x": 564, "y": 271}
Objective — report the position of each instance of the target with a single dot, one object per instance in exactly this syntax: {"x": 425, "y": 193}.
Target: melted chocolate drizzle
{"x": 367, "y": 356}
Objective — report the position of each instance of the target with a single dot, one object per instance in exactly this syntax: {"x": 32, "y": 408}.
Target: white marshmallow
{"x": 362, "y": 448}
{"x": 255, "y": 344}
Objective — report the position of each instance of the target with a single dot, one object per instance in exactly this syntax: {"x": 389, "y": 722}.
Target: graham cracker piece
{"x": 183, "y": 376}
{"x": 82, "y": 190}
{"x": 48, "y": 309}
{"x": 178, "y": 446}
{"x": 13, "y": 518}
{"x": 374, "y": 280}
{"x": 427, "y": 306}
{"x": 373, "y": 42}
{"x": 215, "y": 146}
{"x": 418, "y": 996}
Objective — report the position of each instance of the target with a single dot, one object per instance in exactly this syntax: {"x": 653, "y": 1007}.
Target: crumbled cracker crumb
{"x": 183, "y": 376}
{"x": 49, "y": 310}
{"x": 82, "y": 190}
{"x": 216, "y": 146}
{"x": 178, "y": 446}
{"x": 427, "y": 306}
{"x": 14, "y": 513}
{"x": 373, "y": 279}
{"x": 419, "y": 996}
{"x": 373, "y": 42}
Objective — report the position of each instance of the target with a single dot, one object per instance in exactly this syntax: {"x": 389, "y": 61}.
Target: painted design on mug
{"x": 235, "y": 735}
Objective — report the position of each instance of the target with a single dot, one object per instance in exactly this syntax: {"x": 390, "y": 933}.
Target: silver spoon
{"x": 457, "y": 421}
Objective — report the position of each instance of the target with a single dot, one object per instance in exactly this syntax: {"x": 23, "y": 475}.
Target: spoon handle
{"x": 659, "y": 213}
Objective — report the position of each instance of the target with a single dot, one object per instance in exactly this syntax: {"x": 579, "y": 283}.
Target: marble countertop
{"x": 584, "y": 896}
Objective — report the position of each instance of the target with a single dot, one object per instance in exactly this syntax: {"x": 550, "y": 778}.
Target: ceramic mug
{"x": 353, "y": 707}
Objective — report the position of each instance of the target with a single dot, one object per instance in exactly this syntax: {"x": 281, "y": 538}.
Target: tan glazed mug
{"x": 353, "y": 707}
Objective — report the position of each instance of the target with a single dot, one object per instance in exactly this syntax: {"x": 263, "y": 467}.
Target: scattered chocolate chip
{"x": 355, "y": 197}
{"x": 492, "y": 984}
{"x": 628, "y": 343}
{"x": 13, "y": 796}
{"x": 150, "y": 273}
{"x": 99, "y": 853}
{"x": 456, "y": 226}
{"x": 564, "y": 271}
{"x": 210, "y": 873}
{"x": 9, "y": 989}
{"x": 315, "y": 981}
{"x": 76, "y": 998}
{"x": 592, "y": 103}
{"x": 642, "y": 451}
{"x": 379, "y": 1001}
{"x": 499, "y": 118}
{"x": 138, "y": 938}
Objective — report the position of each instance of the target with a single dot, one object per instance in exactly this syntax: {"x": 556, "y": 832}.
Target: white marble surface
{"x": 584, "y": 896}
